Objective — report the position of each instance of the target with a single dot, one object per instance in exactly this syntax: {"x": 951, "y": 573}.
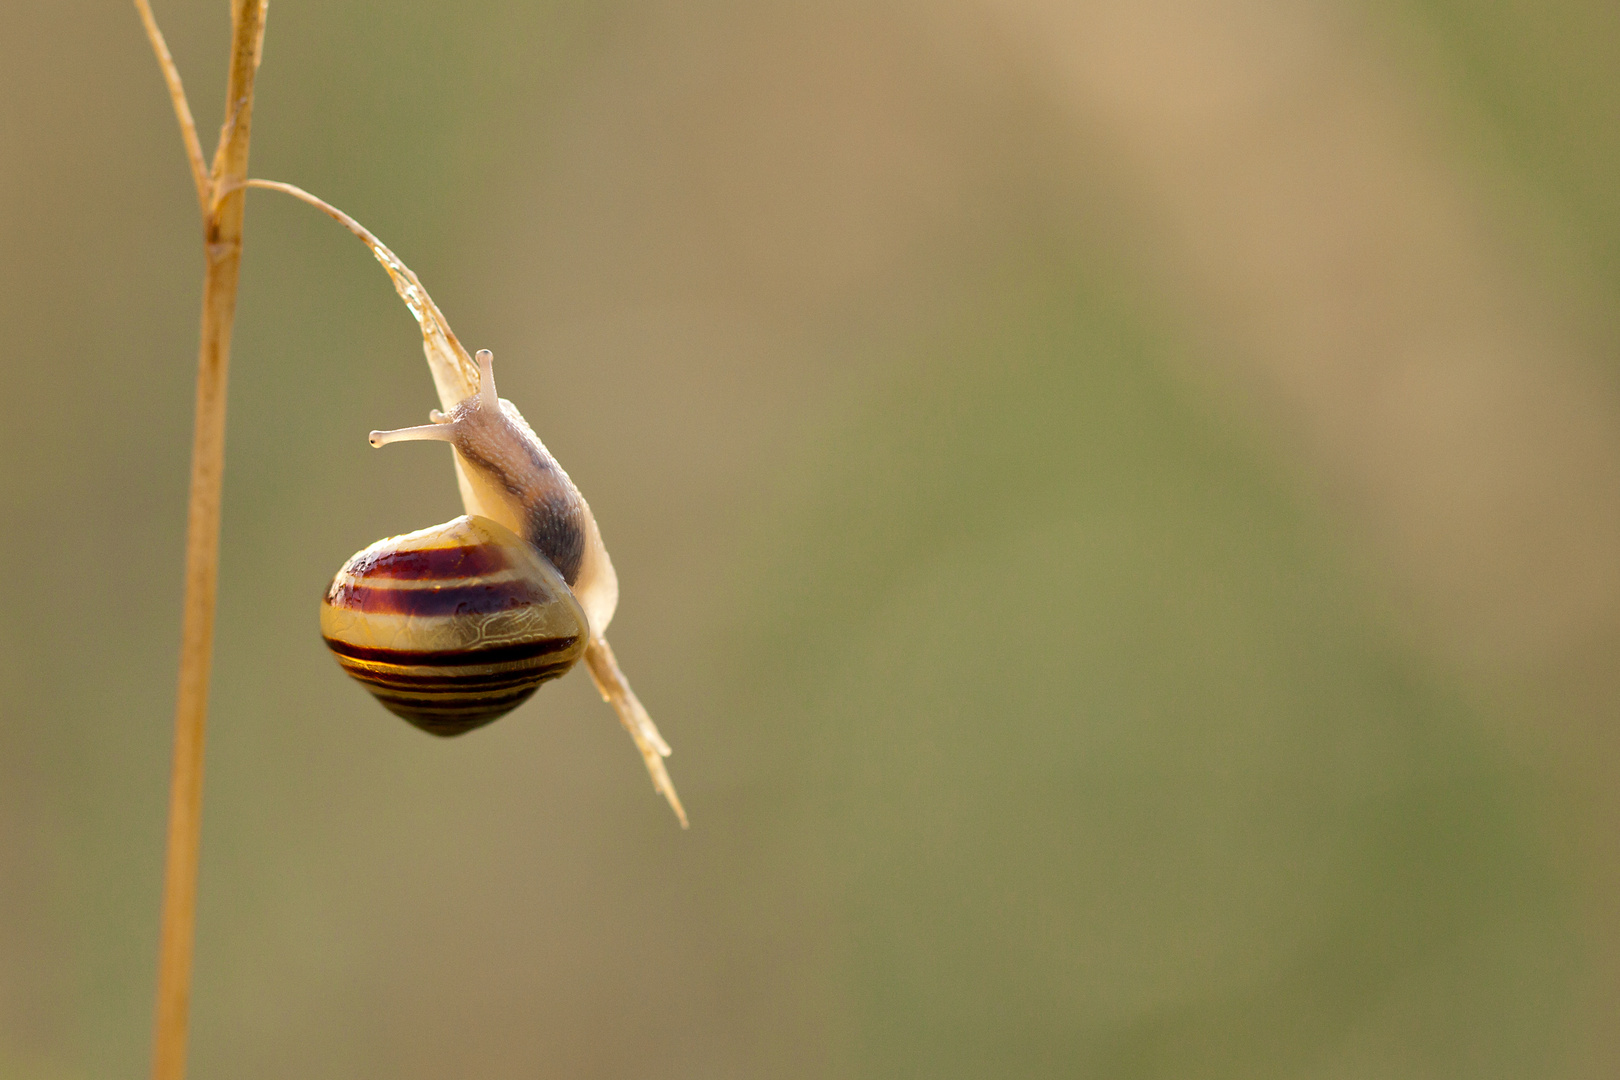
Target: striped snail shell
{"x": 453, "y": 626}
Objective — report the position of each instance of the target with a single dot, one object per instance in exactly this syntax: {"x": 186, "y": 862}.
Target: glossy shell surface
{"x": 454, "y": 626}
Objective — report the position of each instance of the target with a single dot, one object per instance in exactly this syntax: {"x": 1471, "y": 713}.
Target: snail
{"x": 453, "y": 626}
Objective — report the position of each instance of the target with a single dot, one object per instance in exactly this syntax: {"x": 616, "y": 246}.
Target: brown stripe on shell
{"x": 470, "y": 684}
{"x": 500, "y": 654}
{"x": 481, "y": 599}
{"x": 471, "y": 709}
{"x": 481, "y": 681}
{"x": 418, "y": 564}
{"x": 491, "y": 705}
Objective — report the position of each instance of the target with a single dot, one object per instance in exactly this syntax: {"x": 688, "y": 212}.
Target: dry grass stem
{"x": 222, "y": 230}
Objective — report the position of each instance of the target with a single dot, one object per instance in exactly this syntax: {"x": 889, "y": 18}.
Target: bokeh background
{"x": 1118, "y": 505}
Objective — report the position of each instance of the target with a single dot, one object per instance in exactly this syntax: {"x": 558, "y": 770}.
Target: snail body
{"x": 507, "y": 475}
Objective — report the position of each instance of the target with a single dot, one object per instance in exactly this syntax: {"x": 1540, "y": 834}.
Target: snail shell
{"x": 453, "y": 626}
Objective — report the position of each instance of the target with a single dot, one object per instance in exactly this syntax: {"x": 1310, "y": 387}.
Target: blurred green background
{"x": 1118, "y": 507}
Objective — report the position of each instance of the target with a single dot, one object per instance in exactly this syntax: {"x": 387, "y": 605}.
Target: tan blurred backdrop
{"x": 1118, "y": 506}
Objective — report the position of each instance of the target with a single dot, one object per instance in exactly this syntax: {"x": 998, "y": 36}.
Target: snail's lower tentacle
{"x": 438, "y": 431}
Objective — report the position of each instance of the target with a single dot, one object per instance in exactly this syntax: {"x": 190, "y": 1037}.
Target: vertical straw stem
{"x": 222, "y": 232}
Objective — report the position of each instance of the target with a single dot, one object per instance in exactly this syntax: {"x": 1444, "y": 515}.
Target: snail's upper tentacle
{"x": 487, "y": 397}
